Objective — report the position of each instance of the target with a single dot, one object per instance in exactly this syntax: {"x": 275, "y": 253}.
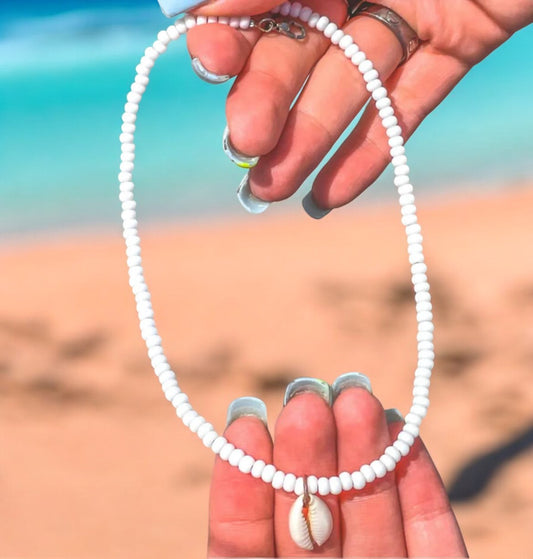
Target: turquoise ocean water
{"x": 65, "y": 68}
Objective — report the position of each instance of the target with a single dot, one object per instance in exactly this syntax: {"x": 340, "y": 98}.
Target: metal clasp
{"x": 289, "y": 28}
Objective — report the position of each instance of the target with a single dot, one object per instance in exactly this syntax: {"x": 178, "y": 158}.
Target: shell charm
{"x": 310, "y": 522}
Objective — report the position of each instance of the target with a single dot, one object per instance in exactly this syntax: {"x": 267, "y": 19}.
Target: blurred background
{"x": 93, "y": 463}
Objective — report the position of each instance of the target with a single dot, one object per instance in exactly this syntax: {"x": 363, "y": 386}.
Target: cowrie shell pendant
{"x": 310, "y": 522}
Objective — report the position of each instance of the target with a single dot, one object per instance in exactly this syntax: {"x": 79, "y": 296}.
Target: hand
{"x": 272, "y": 69}
{"x": 404, "y": 514}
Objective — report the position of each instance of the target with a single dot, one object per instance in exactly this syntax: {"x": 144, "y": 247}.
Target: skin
{"x": 404, "y": 514}
{"x": 294, "y": 139}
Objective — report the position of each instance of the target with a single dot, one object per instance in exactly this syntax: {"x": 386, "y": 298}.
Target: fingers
{"x": 372, "y": 520}
{"x": 332, "y": 97}
{"x": 260, "y": 100}
{"x": 430, "y": 526}
{"x": 235, "y": 7}
{"x": 241, "y": 508}
{"x": 415, "y": 90}
{"x": 305, "y": 444}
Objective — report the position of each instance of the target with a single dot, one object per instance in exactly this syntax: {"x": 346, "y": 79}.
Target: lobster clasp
{"x": 289, "y": 28}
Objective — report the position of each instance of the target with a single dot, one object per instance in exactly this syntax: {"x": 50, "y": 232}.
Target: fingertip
{"x": 221, "y": 49}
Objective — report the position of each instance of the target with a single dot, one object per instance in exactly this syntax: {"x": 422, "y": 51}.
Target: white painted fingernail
{"x": 248, "y": 201}
{"x": 393, "y": 415}
{"x": 312, "y": 209}
{"x": 307, "y": 384}
{"x": 350, "y": 380}
{"x": 246, "y": 406}
{"x": 240, "y": 159}
{"x": 172, "y": 8}
{"x": 203, "y": 73}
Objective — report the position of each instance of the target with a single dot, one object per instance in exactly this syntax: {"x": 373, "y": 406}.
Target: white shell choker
{"x": 309, "y": 485}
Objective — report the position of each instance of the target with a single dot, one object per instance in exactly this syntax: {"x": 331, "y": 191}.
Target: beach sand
{"x": 94, "y": 463}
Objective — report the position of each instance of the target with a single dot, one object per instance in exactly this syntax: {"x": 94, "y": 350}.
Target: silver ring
{"x": 405, "y": 34}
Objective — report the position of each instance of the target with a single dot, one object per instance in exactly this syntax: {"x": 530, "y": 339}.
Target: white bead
{"x": 391, "y": 133}
{"x": 322, "y": 23}
{"x": 296, "y": 8}
{"x": 196, "y": 423}
{"x": 421, "y": 287}
{"x": 335, "y": 485}
{"x": 313, "y": 20}
{"x": 346, "y": 481}
{"x": 146, "y": 62}
{"x": 400, "y": 169}
{"x": 226, "y": 451}
{"x": 423, "y": 372}
{"x": 337, "y": 37}
{"x": 164, "y": 37}
{"x": 379, "y": 468}
{"x": 277, "y": 480}
{"x": 426, "y": 326}
{"x": 398, "y": 150}
{"x": 408, "y": 210}
{"x": 401, "y": 180}
{"x": 289, "y": 481}
{"x": 421, "y": 401}
{"x": 235, "y": 456}
{"x": 205, "y": 428}
{"x": 190, "y": 21}
{"x": 424, "y": 316}
{"x": 345, "y": 42}
{"x": 142, "y": 79}
{"x": 125, "y": 196}
{"x": 414, "y": 238}
{"x": 413, "y": 419}
{"x": 358, "y": 57}
{"x": 268, "y": 473}
{"x": 234, "y": 22}
{"x": 244, "y": 22}
{"x": 373, "y": 85}
{"x": 209, "y": 438}
{"x": 127, "y": 166}
{"x": 402, "y": 447}
{"x": 151, "y": 53}
{"x": 275, "y": 9}
{"x": 409, "y": 231}
{"x": 312, "y": 484}
{"x": 218, "y": 444}
{"x": 414, "y": 247}
{"x": 285, "y": 9}
{"x": 386, "y": 112}
{"x": 257, "y": 468}
{"x": 388, "y": 462}
{"x": 153, "y": 351}
{"x": 396, "y": 140}
{"x": 424, "y": 306}
{"x": 133, "y": 97}
{"x": 407, "y": 438}
{"x": 379, "y": 94}
{"x": 368, "y": 473}
{"x": 299, "y": 486}
{"x": 180, "y": 26}
{"x": 422, "y": 382}
{"x": 212, "y": 19}
{"x": 330, "y": 29}
{"x": 171, "y": 393}
{"x": 142, "y": 70}
{"x": 173, "y": 33}
{"x": 182, "y": 409}
{"x": 382, "y": 103}
{"x": 413, "y": 430}
{"x": 351, "y": 49}
{"x": 323, "y": 486}
{"x": 159, "y": 47}
{"x": 419, "y": 410}
{"x": 128, "y": 128}
{"x": 399, "y": 159}
{"x": 406, "y": 199}
{"x": 168, "y": 384}
{"x": 426, "y": 353}
{"x": 358, "y": 480}
{"x": 394, "y": 453}
{"x": 365, "y": 66}
{"x": 305, "y": 14}
{"x": 371, "y": 75}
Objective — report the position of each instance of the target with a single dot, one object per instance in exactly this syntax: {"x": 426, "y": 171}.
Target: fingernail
{"x": 246, "y": 406}
{"x": 210, "y": 77}
{"x": 172, "y": 8}
{"x": 248, "y": 201}
{"x": 240, "y": 159}
{"x": 306, "y": 384}
{"x": 393, "y": 415}
{"x": 311, "y": 208}
{"x": 350, "y": 380}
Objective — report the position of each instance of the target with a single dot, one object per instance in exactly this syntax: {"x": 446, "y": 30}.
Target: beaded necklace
{"x": 308, "y": 522}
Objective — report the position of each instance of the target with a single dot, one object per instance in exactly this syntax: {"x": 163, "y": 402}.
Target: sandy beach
{"x": 94, "y": 463}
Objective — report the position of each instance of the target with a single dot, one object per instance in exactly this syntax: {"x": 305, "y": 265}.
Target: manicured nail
{"x": 248, "y": 201}
{"x": 393, "y": 415}
{"x": 210, "y": 77}
{"x": 306, "y": 384}
{"x": 312, "y": 209}
{"x": 172, "y": 8}
{"x": 240, "y": 159}
{"x": 350, "y": 380}
{"x": 246, "y": 406}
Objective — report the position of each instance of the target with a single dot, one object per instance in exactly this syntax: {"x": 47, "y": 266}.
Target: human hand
{"x": 293, "y": 139}
{"x": 404, "y": 514}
